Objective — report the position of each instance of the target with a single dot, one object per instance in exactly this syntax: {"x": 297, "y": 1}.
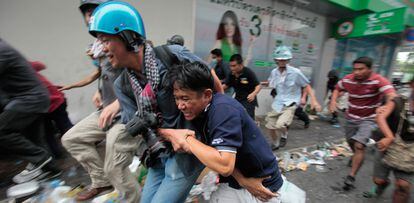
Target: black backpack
{"x": 165, "y": 97}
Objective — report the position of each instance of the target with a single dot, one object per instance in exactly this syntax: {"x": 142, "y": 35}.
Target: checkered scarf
{"x": 146, "y": 97}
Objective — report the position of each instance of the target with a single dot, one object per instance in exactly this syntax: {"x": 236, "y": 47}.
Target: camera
{"x": 146, "y": 126}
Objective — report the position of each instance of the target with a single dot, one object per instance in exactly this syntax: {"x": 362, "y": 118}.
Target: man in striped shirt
{"x": 366, "y": 90}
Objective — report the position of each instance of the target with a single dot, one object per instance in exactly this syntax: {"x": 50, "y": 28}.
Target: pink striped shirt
{"x": 364, "y": 97}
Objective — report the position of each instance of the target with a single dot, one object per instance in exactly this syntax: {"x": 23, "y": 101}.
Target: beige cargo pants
{"x": 279, "y": 121}
{"x": 80, "y": 141}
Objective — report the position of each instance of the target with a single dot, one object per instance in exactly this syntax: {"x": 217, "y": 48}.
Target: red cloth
{"x": 364, "y": 97}
{"x": 56, "y": 97}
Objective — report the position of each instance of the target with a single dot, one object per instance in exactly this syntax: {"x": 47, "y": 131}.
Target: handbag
{"x": 400, "y": 154}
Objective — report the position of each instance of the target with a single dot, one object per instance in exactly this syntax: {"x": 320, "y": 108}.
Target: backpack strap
{"x": 166, "y": 56}
{"x": 401, "y": 106}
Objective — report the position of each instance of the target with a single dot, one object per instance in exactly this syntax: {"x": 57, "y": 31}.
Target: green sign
{"x": 386, "y": 22}
{"x": 352, "y": 4}
{"x": 260, "y": 63}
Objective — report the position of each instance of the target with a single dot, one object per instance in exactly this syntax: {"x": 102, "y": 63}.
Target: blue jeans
{"x": 166, "y": 181}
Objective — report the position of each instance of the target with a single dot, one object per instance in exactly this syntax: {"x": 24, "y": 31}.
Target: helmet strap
{"x": 132, "y": 40}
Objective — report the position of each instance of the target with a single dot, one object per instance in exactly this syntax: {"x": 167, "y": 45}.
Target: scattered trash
{"x": 318, "y": 154}
{"x": 301, "y": 159}
{"x": 336, "y": 125}
{"x": 59, "y": 195}
{"x": 321, "y": 168}
{"x": 112, "y": 197}
{"x": 316, "y": 162}
{"x": 54, "y": 191}
{"x": 75, "y": 190}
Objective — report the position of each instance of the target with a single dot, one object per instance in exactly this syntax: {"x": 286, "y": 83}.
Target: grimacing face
{"x": 191, "y": 103}
{"x": 361, "y": 71}
{"x": 115, "y": 49}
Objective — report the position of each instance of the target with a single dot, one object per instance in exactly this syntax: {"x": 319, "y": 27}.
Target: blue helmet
{"x": 282, "y": 53}
{"x": 118, "y": 18}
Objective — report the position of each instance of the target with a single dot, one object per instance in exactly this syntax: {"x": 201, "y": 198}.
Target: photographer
{"x": 142, "y": 94}
{"x": 102, "y": 124}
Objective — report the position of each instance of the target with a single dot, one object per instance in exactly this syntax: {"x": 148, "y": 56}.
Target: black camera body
{"x": 146, "y": 126}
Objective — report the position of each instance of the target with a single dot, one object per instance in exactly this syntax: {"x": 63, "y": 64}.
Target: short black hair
{"x": 88, "y": 7}
{"x": 217, "y": 52}
{"x": 194, "y": 76}
{"x": 238, "y": 58}
{"x": 364, "y": 60}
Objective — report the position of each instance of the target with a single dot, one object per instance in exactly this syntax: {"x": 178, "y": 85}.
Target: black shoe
{"x": 306, "y": 126}
{"x": 334, "y": 121}
{"x": 349, "y": 183}
{"x": 283, "y": 142}
{"x": 274, "y": 147}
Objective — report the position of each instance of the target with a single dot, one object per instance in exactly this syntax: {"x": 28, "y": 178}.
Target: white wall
{"x": 326, "y": 65}
{"x": 53, "y": 31}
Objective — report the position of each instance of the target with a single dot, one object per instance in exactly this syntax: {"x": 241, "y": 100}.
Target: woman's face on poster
{"x": 229, "y": 27}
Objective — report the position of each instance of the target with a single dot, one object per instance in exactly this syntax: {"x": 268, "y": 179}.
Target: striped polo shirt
{"x": 364, "y": 96}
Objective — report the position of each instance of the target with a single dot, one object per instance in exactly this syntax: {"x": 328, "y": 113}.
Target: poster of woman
{"x": 253, "y": 28}
{"x": 229, "y": 37}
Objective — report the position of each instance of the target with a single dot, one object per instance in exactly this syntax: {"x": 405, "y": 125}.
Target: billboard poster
{"x": 253, "y": 28}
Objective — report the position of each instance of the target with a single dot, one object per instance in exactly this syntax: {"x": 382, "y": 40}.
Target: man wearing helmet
{"x": 141, "y": 89}
{"x": 176, "y": 39}
{"x": 80, "y": 141}
{"x": 288, "y": 82}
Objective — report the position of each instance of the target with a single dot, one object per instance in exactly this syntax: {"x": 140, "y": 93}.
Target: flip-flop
{"x": 370, "y": 194}
{"x": 374, "y": 192}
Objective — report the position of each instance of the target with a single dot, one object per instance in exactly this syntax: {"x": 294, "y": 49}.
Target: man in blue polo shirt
{"x": 231, "y": 143}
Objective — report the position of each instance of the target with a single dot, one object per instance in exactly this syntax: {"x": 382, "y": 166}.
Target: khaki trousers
{"x": 80, "y": 141}
{"x": 279, "y": 121}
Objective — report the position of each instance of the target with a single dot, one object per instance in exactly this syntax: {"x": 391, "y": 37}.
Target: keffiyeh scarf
{"x": 146, "y": 97}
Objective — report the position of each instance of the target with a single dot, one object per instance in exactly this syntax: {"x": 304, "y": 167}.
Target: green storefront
{"x": 376, "y": 32}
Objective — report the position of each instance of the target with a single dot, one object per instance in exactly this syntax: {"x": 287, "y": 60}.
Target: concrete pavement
{"x": 319, "y": 186}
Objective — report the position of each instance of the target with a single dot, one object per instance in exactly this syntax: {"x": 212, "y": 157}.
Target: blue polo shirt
{"x": 231, "y": 129}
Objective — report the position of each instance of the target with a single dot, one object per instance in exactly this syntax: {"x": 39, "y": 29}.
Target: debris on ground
{"x": 300, "y": 159}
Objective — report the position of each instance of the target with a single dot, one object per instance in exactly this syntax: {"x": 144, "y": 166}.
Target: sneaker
{"x": 334, "y": 121}
{"x": 349, "y": 183}
{"x": 283, "y": 142}
{"x": 30, "y": 172}
{"x": 306, "y": 126}
{"x": 375, "y": 191}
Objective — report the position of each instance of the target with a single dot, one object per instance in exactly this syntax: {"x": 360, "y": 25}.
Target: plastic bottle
{"x": 286, "y": 160}
{"x": 58, "y": 195}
